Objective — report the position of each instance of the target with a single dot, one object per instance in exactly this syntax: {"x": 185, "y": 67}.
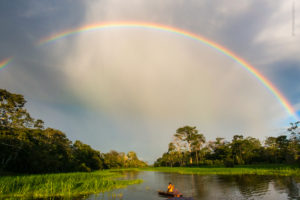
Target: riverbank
{"x": 85, "y": 183}
{"x": 61, "y": 184}
{"x": 268, "y": 169}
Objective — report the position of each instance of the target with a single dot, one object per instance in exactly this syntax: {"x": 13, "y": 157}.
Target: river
{"x": 206, "y": 187}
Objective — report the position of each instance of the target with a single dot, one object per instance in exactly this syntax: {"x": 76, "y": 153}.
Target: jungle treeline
{"x": 27, "y": 147}
{"x": 190, "y": 148}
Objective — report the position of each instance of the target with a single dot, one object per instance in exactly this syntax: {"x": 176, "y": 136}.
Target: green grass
{"x": 127, "y": 170}
{"x": 61, "y": 185}
{"x": 81, "y": 183}
{"x": 278, "y": 170}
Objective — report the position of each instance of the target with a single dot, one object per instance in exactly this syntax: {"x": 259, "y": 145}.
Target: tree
{"x": 221, "y": 150}
{"x": 27, "y": 147}
{"x": 294, "y": 142}
{"x": 188, "y": 144}
{"x": 251, "y": 150}
{"x": 172, "y": 153}
{"x": 245, "y": 150}
{"x": 197, "y": 142}
{"x": 179, "y": 145}
{"x": 271, "y": 149}
{"x": 87, "y": 158}
{"x": 187, "y": 134}
{"x": 282, "y": 143}
{"x": 132, "y": 159}
{"x": 113, "y": 159}
{"x": 294, "y": 129}
{"x": 12, "y": 111}
{"x": 236, "y": 147}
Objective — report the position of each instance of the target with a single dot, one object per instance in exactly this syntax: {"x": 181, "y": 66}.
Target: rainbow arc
{"x": 142, "y": 25}
{"x": 5, "y": 62}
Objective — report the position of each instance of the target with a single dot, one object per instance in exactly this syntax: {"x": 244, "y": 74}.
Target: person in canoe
{"x": 170, "y": 188}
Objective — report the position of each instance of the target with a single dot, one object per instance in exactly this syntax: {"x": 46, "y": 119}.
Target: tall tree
{"x": 197, "y": 143}
{"x": 271, "y": 150}
{"x": 87, "y": 158}
{"x": 178, "y": 143}
{"x": 172, "y": 153}
{"x": 12, "y": 111}
{"x": 237, "y": 149}
{"x": 187, "y": 134}
{"x": 294, "y": 143}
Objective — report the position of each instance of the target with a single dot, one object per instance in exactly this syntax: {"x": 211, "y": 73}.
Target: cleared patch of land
{"x": 61, "y": 185}
{"x": 278, "y": 170}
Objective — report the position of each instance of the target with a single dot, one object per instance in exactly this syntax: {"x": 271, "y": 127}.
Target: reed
{"x": 61, "y": 185}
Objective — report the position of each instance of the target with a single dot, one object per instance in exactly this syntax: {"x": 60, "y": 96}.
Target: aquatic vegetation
{"x": 61, "y": 185}
{"x": 279, "y": 170}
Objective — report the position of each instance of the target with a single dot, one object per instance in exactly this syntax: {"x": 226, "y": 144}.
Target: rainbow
{"x": 5, "y": 62}
{"x": 283, "y": 101}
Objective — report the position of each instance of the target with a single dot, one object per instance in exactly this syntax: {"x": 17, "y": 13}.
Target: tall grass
{"x": 278, "y": 170}
{"x": 60, "y": 185}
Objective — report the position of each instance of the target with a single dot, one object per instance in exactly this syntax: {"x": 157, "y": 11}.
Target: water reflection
{"x": 289, "y": 185}
{"x": 250, "y": 185}
{"x": 207, "y": 187}
{"x": 203, "y": 187}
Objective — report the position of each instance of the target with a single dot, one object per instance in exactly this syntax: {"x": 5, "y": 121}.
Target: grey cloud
{"x": 139, "y": 85}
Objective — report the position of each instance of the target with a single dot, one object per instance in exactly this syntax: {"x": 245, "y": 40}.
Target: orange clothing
{"x": 170, "y": 188}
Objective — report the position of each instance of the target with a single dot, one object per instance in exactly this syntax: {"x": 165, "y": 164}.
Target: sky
{"x": 130, "y": 88}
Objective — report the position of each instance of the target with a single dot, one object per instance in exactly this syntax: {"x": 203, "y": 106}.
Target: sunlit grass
{"x": 279, "y": 170}
{"x": 61, "y": 185}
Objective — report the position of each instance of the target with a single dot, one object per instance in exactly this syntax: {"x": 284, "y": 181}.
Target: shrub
{"x": 228, "y": 162}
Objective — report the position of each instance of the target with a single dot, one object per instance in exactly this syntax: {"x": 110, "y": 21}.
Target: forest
{"x": 26, "y": 146}
{"x": 190, "y": 148}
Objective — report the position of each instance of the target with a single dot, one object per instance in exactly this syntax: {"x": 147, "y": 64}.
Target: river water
{"x": 206, "y": 187}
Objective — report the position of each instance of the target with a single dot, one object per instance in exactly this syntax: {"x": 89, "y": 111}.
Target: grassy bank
{"x": 61, "y": 185}
{"x": 278, "y": 170}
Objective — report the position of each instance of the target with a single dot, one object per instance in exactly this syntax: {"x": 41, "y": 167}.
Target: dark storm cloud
{"x": 239, "y": 32}
{"x": 23, "y": 23}
{"x": 234, "y": 26}
{"x": 286, "y": 75}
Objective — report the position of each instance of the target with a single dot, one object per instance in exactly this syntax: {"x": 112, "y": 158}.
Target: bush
{"x": 208, "y": 162}
{"x": 228, "y": 162}
{"x": 218, "y": 162}
{"x": 84, "y": 168}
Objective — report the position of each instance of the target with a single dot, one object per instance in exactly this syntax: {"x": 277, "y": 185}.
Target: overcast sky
{"x": 130, "y": 89}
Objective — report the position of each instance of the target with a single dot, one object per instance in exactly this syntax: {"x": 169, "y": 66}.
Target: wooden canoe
{"x": 169, "y": 194}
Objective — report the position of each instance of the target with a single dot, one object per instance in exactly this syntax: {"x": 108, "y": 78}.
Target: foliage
{"x": 87, "y": 158}
{"x": 27, "y": 147}
{"x": 12, "y": 112}
{"x": 114, "y": 159}
{"x": 188, "y": 145}
{"x": 266, "y": 169}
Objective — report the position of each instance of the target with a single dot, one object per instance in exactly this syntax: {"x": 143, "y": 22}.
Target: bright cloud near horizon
{"x": 131, "y": 88}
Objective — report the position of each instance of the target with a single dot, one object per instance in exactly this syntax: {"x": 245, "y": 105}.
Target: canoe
{"x": 169, "y": 194}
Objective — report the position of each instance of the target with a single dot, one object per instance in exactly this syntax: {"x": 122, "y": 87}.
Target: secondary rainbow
{"x": 5, "y": 62}
{"x": 141, "y": 25}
